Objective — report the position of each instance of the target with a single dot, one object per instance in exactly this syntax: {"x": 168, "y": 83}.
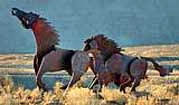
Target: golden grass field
{"x": 154, "y": 91}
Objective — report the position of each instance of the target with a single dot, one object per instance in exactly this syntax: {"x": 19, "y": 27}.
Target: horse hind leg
{"x": 75, "y": 77}
{"x": 126, "y": 82}
{"x": 135, "y": 84}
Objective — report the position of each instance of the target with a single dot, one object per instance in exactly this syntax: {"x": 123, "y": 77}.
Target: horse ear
{"x": 93, "y": 38}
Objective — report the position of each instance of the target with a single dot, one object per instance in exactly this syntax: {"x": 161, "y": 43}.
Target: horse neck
{"x": 46, "y": 37}
{"x": 107, "y": 53}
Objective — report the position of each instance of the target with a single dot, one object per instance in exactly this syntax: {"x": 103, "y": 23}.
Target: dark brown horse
{"x": 49, "y": 58}
{"x": 121, "y": 69}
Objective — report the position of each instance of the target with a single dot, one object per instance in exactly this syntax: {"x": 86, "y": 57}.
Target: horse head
{"x": 97, "y": 60}
{"x": 105, "y": 45}
{"x": 90, "y": 44}
{"x": 27, "y": 19}
{"x": 45, "y": 34}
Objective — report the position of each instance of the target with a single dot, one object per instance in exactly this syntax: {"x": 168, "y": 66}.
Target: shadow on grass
{"x": 141, "y": 94}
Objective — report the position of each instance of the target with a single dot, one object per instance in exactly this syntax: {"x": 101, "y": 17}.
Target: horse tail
{"x": 156, "y": 65}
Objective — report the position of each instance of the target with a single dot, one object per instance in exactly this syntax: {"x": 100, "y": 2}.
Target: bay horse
{"x": 121, "y": 69}
{"x": 49, "y": 58}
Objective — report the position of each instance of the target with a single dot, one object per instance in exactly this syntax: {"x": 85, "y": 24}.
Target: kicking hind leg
{"x": 80, "y": 63}
{"x": 74, "y": 78}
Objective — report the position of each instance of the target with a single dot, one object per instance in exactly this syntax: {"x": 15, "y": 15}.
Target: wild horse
{"x": 49, "y": 58}
{"x": 121, "y": 69}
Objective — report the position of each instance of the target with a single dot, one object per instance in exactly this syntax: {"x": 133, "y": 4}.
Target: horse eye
{"x": 85, "y": 41}
{"x": 27, "y": 21}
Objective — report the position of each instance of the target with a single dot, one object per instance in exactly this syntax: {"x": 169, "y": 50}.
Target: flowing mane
{"x": 105, "y": 42}
{"x": 106, "y": 45}
{"x": 45, "y": 34}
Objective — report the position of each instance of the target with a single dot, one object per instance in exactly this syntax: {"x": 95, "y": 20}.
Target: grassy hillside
{"x": 154, "y": 91}
{"x": 165, "y": 54}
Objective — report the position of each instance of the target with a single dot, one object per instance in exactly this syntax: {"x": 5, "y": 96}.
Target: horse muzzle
{"x": 17, "y": 12}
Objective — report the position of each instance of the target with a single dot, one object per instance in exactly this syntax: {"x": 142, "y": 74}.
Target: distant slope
{"x": 165, "y": 54}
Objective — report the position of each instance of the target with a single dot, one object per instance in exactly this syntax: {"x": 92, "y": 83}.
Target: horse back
{"x": 118, "y": 63}
{"x": 58, "y": 59}
{"x": 65, "y": 56}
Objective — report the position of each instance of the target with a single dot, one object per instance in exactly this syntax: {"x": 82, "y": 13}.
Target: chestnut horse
{"x": 121, "y": 69}
{"x": 49, "y": 58}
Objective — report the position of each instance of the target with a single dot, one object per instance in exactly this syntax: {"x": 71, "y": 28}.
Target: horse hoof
{"x": 63, "y": 87}
{"x": 99, "y": 96}
{"x": 45, "y": 90}
{"x": 132, "y": 92}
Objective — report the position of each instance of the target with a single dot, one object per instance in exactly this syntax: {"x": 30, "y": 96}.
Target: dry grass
{"x": 151, "y": 92}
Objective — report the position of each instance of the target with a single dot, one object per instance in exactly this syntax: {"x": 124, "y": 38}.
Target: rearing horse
{"x": 49, "y": 58}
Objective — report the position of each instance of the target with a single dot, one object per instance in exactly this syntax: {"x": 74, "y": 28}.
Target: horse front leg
{"x": 39, "y": 82}
{"x": 36, "y": 63}
{"x": 93, "y": 82}
{"x": 39, "y": 75}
